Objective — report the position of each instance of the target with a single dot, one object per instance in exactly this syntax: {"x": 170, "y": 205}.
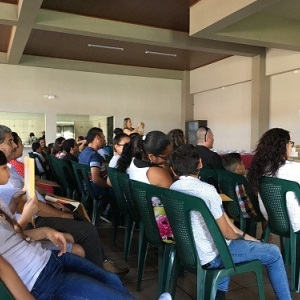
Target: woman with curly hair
{"x": 271, "y": 159}
{"x": 176, "y": 137}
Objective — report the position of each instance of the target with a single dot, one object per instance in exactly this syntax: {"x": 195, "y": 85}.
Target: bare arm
{"x": 226, "y": 229}
{"x": 239, "y": 231}
{"x": 45, "y": 210}
{"x": 96, "y": 178}
{"x": 13, "y": 282}
{"x": 159, "y": 177}
{"x": 57, "y": 238}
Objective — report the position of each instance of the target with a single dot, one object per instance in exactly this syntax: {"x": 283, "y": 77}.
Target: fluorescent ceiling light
{"x": 160, "y": 53}
{"x": 106, "y": 47}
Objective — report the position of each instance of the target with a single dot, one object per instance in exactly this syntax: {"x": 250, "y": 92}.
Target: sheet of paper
{"x": 29, "y": 178}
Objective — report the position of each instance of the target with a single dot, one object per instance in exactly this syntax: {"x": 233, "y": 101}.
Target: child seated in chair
{"x": 232, "y": 162}
{"x": 186, "y": 163}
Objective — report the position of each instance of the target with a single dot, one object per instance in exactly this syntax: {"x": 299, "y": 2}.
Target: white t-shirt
{"x": 114, "y": 160}
{"x": 206, "y": 248}
{"x": 27, "y": 258}
{"x": 289, "y": 171}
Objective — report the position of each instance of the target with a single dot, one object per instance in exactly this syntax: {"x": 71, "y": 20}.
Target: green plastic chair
{"x": 227, "y": 182}
{"x": 142, "y": 195}
{"x": 210, "y": 176}
{"x": 125, "y": 186}
{"x": 178, "y": 207}
{"x": 36, "y": 170}
{"x": 273, "y": 194}
{"x": 122, "y": 206}
{"x": 5, "y": 294}
{"x": 88, "y": 198}
{"x": 66, "y": 177}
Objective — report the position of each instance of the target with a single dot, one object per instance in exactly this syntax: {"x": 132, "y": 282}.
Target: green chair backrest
{"x": 5, "y": 294}
{"x": 124, "y": 180}
{"x": 273, "y": 194}
{"x": 66, "y": 176}
{"x": 178, "y": 207}
{"x": 210, "y": 176}
{"x": 142, "y": 195}
{"x": 82, "y": 173}
{"x": 120, "y": 198}
{"x": 37, "y": 171}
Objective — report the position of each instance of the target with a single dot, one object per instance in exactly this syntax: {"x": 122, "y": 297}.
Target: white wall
{"x": 228, "y": 113}
{"x": 285, "y": 103}
{"x": 222, "y": 96}
{"x": 155, "y": 101}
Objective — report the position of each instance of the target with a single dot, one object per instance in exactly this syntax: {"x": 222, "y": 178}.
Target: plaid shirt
{"x": 244, "y": 202}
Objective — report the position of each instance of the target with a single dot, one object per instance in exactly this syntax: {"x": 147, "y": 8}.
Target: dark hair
{"x": 15, "y": 137}
{"x": 58, "y": 145}
{"x": 155, "y": 142}
{"x": 92, "y": 133}
{"x": 41, "y": 139}
{"x": 117, "y": 139}
{"x": 31, "y": 134}
{"x": 118, "y": 131}
{"x": 176, "y": 137}
{"x": 270, "y": 155}
{"x": 68, "y": 144}
{"x": 185, "y": 160}
{"x": 81, "y": 137}
{"x": 229, "y": 161}
{"x": 35, "y": 146}
{"x": 3, "y": 159}
{"x": 125, "y": 122}
{"x": 50, "y": 147}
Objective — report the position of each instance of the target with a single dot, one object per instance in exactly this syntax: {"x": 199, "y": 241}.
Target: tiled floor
{"x": 241, "y": 286}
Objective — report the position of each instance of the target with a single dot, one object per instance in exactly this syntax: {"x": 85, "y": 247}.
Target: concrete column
{"x": 187, "y": 100}
{"x": 260, "y": 98}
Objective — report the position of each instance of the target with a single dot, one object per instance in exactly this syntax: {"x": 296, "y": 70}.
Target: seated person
{"x": 49, "y": 274}
{"x": 232, "y": 162}
{"x": 71, "y": 149}
{"x": 58, "y": 149}
{"x": 40, "y": 160}
{"x": 186, "y": 163}
{"x": 90, "y": 157}
{"x": 205, "y": 142}
{"x": 13, "y": 282}
{"x": 83, "y": 232}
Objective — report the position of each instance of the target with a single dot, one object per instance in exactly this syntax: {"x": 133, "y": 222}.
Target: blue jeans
{"x": 270, "y": 257}
{"x": 72, "y": 277}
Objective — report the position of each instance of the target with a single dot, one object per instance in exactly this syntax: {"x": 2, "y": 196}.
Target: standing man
{"x": 205, "y": 141}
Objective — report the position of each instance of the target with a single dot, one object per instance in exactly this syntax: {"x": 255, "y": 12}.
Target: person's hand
{"x": 141, "y": 124}
{"x": 58, "y": 239}
{"x": 30, "y": 208}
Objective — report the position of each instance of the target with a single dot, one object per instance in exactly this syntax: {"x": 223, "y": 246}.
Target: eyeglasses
{"x": 292, "y": 143}
{"x": 164, "y": 158}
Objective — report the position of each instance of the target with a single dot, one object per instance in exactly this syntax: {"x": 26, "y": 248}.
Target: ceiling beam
{"x": 27, "y": 11}
{"x": 209, "y": 16}
{"x": 265, "y": 29}
{"x": 68, "y": 64}
{"x": 8, "y": 14}
{"x": 115, "y": 30}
